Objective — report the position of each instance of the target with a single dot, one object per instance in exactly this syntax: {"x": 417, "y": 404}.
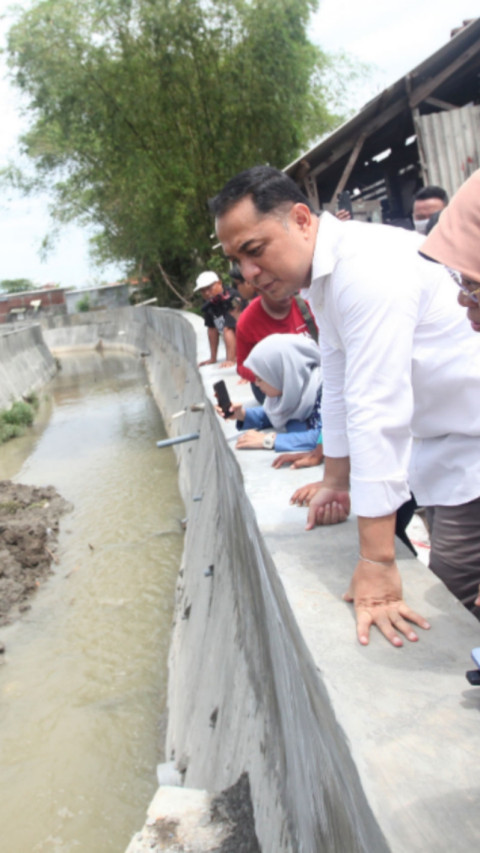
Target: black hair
{"x": 268, "y": 187}
{"x": 431, "y": 192}
{"x": 235, "y": 274}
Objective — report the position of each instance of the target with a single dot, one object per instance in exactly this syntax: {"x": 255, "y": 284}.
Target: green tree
{"x": 16, "y": 285}
{"x": 141, "y": 109}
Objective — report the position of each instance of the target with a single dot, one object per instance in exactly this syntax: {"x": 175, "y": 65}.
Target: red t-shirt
{"x": 254, "y": 324}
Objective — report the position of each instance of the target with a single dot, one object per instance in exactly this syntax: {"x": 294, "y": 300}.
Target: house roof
{"x": 448, "y": 78}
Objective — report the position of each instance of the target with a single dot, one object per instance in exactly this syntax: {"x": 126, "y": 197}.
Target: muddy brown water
{"x": 83, "y": 685}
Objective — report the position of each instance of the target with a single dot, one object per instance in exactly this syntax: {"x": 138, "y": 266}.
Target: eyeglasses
{"x": 465, "y": 284}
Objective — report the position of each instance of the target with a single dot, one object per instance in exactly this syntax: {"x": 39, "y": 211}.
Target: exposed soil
{"x": 29, "y": 523}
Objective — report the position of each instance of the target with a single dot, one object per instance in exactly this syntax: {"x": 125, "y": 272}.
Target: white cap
{"x": 205, "y": 279}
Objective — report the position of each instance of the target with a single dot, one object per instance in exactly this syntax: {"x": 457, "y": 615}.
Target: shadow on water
{"x": 83, "y": 687}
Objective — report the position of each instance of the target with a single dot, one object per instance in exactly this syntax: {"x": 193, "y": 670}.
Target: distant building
{"x": 95, "y": 298}
{"x": 21, "y": 307}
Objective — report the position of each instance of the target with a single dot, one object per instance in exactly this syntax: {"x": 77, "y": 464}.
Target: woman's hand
{"x": 252, "y": 439}
{"x": 236, "y": 412}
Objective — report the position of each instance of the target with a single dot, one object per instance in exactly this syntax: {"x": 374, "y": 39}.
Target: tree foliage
{"x": 141, "y": 109}
{"x": 16, "y": 285}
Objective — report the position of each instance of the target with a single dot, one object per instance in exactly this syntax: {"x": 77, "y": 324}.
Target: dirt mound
{"x": 29, "y": 523}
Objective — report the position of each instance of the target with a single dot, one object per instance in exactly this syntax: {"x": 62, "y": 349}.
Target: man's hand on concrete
{"x": 303, "y": 495}
{"x": 376, "y": 593}
{"x": 300, "y": 460}
{"x": 325, "y": 505}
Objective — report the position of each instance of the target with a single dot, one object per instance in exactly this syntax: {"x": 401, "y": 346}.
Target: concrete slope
{"x": 26, "y": 363}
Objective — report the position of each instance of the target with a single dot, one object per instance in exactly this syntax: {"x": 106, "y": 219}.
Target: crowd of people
{"x": 388, "y": 397}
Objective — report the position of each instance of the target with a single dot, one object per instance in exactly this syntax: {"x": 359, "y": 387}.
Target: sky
{"x": 391, "y": 37}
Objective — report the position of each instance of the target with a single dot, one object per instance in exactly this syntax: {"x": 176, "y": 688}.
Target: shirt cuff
{"x": 335, "y": 444}
{"x": 374, "y": 499}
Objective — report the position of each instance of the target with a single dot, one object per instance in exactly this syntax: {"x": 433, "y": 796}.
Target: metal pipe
{"x": 178, "y": 440}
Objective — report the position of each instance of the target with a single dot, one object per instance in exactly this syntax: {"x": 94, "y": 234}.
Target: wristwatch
{"x": 269, "y": 441}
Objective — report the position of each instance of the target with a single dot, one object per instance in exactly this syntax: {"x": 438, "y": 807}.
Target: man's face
{"x": 212, "y": 290}
{"x": 266, "y": 388}
{"x": 274, "y": 251}
{"x": 425, "y": 208}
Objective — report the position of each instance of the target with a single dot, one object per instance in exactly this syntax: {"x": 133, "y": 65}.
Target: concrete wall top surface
{"x": 409, "y": 714}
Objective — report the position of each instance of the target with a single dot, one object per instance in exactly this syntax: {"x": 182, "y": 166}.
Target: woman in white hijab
{"x": 287, "y": 370}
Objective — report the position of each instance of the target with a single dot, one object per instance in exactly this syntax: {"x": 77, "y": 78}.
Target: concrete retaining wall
{"x": 26, "y": 363}
{"x": 346, "y": 748}
{"x": 244, "y": 693}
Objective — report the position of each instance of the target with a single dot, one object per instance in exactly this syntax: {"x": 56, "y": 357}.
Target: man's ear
{"x": 302, "y": 216}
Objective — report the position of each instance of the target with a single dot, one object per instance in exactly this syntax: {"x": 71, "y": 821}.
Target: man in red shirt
{"x": 265, "y": 316}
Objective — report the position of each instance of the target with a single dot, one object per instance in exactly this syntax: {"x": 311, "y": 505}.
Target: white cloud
{"x": 394, "y": 38}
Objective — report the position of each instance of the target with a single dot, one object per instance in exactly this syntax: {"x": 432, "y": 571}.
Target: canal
{"x": 83, "y": 685}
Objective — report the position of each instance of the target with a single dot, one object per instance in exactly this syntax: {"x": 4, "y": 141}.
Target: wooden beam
{"x": 415, "y": 117}
{"x": 423, "y": 91}
{"x": 381, "y": 118}
{"x": 311, "y": 188}
{"x": 442, "y": 105}
{"x": 350, "y": 164}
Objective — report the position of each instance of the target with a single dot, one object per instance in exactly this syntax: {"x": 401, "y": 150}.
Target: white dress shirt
{"x": 401, "y": 364}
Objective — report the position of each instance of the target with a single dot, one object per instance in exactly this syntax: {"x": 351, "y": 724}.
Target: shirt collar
{"x": 329, "y": 234}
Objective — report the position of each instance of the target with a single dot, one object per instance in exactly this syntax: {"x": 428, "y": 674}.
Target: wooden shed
{"x": 424, "y": 129}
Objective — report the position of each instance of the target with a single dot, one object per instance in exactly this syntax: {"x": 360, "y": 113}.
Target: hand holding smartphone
{"x": 221, "y": 393}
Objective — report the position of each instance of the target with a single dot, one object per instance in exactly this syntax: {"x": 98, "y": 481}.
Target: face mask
{"x": 420, "y": 225}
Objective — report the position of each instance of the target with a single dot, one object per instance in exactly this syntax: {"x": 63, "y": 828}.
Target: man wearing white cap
{"x": 218, "y": 311}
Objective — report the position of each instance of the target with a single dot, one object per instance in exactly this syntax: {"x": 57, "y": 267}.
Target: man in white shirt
{"x": 399, "y": 361}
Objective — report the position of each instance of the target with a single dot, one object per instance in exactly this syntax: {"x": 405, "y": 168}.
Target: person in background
{"x": 287, "y": 369}
{"x": 263, "y": 317}
{"x": 427, "y": 202}
{"x": 219, "y": 311}
{"x": 455, "y": 242}
{"x": 245, "y": 288}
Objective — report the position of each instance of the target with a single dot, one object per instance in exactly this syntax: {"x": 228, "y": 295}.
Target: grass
{"x": 10, "y": 507}
{"x": 15, "y": 420}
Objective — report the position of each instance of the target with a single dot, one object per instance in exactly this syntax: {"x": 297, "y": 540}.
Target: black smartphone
{"x": 222, "y": 396}
{"x": 344, "y": 202}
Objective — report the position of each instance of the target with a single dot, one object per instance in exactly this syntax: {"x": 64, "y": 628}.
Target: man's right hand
{"x": 326, "y": 506}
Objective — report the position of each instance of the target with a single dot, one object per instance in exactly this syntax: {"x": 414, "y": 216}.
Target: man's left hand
{"x": 376, "y": 593}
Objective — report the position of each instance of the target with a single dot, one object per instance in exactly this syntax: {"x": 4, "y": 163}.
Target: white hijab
{"x": 290, "y": 363}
